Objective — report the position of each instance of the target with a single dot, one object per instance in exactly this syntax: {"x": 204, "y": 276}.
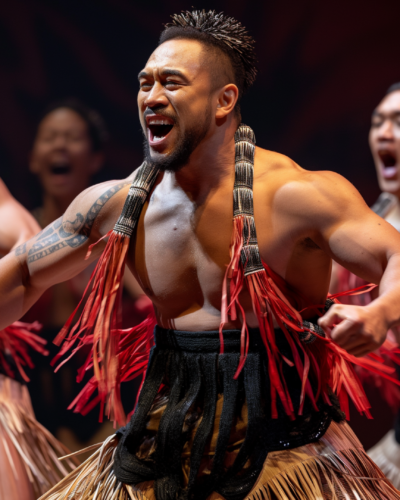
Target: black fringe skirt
{"x": 187, "y": 375}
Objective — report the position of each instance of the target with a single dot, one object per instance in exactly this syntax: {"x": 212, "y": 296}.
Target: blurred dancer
{"x": 28, "y": 452}
{"x": 384, "y": 141}
{"x": 67, "y": 152}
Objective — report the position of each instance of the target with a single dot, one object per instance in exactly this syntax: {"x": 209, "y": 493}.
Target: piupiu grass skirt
{"x": 197, "y": 433}
{"x": 29, "y": 463}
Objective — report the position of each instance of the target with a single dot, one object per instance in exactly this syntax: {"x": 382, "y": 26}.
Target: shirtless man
{"x": 188, "y": 103}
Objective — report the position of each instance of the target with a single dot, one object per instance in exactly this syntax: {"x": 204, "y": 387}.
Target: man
{"x": 236, "y": 387}
{"x": 28, "y": 452}
{"x": 384, "y": 141}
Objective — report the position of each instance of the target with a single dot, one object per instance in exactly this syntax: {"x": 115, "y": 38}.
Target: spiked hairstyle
{"x": 218, "y": 32}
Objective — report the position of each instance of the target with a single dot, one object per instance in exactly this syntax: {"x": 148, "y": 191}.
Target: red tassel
{"x": 98, "y": 318}
{"x": 15, "y": 340}
{"x": 133, "y": 356}
{"x": 388, "y": 355}
{"x": 269, "y": 298}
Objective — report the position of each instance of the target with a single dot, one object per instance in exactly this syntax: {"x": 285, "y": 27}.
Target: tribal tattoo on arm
{"x": 62, "y": 233}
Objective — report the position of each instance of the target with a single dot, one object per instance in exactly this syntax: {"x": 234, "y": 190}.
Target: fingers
{"x": 334, "y": 316}
{"x": 346, "y": 333}
{"x": 347, "y": 329}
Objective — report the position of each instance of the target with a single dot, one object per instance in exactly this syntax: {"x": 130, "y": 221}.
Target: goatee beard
{"x": 184, "y": 147}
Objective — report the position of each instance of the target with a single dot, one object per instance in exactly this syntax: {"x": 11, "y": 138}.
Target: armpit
{"x": 310, "y": 244}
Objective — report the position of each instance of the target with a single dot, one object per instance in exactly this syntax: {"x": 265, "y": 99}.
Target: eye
{"x": 47, "y": 138}
{"x": 376, "y": 121}
{"x": 145, "y": 86}
{"x": 170, "y": 84}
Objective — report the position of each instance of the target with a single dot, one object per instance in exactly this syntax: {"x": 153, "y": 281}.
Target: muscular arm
{"x": 340, "y": 222}
{"x": 58, "y": 252}
{"x": 16, "y": 223}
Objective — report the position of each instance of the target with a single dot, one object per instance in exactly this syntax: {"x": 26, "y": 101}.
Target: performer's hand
{"x": 358, "y": 329}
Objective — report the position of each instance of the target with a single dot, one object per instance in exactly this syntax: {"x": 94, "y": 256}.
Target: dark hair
{"x": 393, "y": 88}
{"x": 96, "y": 126}
{"x": 220, "y": 33}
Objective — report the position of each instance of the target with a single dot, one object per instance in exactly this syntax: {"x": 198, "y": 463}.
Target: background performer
{"x": 384, "y": 141}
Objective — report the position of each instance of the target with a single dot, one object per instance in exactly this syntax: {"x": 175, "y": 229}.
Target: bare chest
{"x": 181, "y": 251}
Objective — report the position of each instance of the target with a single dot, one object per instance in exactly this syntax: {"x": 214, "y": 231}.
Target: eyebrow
{"x": 165, "y": 72}
{"x": 391, "y": 113}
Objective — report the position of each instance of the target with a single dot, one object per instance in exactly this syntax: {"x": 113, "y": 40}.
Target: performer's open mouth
{"x": 159, "y": 128}
{"x": 389, "y": 165}
{"x": 60, "y": 168}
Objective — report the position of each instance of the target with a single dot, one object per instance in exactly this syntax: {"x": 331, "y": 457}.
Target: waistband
{"x": 204, "y": 341}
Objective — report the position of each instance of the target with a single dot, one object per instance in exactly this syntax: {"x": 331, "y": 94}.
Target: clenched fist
{"x": 358, "y": 329}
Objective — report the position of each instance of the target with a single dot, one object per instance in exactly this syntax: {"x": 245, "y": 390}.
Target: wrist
{"x": 386, "y": 311}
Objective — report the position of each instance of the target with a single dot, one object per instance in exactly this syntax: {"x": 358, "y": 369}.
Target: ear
{"x": 227, "y": 99}
{"x": 97, "y": 162}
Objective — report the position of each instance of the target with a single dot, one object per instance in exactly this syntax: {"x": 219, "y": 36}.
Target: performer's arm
{"x": 58, "y": 252}
{"x": 17, "y": 224}
{"x": 361, "y": 241}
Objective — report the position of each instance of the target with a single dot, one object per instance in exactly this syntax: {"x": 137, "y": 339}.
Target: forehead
{"x": 390, "y": 103}
{"x": 181, "y": 54}
{"x": 63, "y": 118}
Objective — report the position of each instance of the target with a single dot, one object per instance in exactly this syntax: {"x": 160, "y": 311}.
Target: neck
{"x": 210, "y": 164}
{"x": 53, "y": 208}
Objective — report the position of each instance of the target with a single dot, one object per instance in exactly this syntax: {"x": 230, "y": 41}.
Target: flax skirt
{"x": 334, "y": 468}
{"x": 29, "y": 463}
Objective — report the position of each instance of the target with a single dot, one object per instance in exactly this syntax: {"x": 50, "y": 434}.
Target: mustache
{"x": 159, "y": 111}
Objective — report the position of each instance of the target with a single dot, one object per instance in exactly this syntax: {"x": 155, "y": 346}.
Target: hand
{"x": 358, "y": 329}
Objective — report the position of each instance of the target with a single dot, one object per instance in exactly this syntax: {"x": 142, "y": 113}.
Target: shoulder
{"x": 98, "y": 207}
{"x": 5, "y": 194}
{"x": 303, "y": 188}
{"x": 101, "y": 194}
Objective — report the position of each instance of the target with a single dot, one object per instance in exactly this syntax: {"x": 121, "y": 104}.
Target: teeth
{"x": 159, "y": 122}
{"x": 157, "y": 139}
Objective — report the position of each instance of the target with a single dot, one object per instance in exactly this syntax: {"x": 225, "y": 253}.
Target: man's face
{"x": 384, "y": 140}
{"x": 174, "y": 102}
{"x": 62, "y": 155}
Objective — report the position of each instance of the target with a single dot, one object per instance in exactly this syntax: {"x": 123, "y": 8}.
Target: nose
{"x": 385, "y": 131}
{"x": 156, "y": 97}
{"x": 60, "y": 141}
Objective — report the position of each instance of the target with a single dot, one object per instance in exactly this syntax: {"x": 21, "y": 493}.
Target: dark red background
{"x": 323, "y": 67}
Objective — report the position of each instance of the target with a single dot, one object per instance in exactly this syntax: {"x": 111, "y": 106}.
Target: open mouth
{"x": 159, "y": 128}
{"x": 389, "y": 163}
{"x": 60, "y": 168}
